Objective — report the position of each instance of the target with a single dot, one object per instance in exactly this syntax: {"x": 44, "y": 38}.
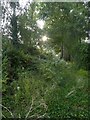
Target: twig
{"x": 30, "y": 108}
{"x": 19, "y": 116}
{"x": 39, "y": 106}
{"x": 70, "y": 93}
{"x": 42, "y": 115}
{"x": 3, "y": 116}
{"x": 33, "y": 115}
{"x": 36, "y": 115}
{"x": 7, "y": 110}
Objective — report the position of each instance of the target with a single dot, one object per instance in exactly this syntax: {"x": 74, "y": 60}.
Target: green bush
{"x": 43, "y": 87}
{"x": 81, "y": 57}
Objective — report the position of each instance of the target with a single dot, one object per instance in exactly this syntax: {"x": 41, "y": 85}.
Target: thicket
{"x": 37, "y": 87}
{"x": 46, "y": 79}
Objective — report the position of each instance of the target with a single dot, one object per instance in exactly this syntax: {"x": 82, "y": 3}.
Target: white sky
{"x": 40, "y": 23}
{"x": 23, "y": 2}
{"x": 87, "y": 40}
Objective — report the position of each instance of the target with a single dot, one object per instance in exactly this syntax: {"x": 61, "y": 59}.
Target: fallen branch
{"x": 7, "y": 110}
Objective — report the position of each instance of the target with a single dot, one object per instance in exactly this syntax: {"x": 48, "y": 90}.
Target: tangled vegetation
{"x": 46, "y": 78}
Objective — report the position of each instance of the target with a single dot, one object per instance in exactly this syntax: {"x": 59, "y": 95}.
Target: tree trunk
{"x": 64, "y": 53}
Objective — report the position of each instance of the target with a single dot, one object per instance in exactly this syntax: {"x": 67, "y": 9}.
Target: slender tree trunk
{"x": 14, "y": 26}
{"x": 61, "y": 50}
{"x": 64, "y": 53}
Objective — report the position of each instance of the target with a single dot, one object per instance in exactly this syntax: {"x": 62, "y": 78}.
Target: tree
{"x": 14, "y": 28}
{"x": 67, "y": 27}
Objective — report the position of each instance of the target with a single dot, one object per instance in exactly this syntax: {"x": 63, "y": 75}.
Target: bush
{"x": 81, "y": 57}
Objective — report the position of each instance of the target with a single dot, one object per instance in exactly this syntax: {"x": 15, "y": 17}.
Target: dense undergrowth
{"x": 45, "y": 59}
{"x": 43, "y": 87}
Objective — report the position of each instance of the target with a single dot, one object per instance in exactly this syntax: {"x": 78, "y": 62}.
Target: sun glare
{"x": 40, "y": 23}
{"x": 44, "y": 38}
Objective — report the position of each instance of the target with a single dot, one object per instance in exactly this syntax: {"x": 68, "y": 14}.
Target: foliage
{"x": 54, "y": 80}
{"x": 63, "y": 93}
{"x": 81, "y": 57}
{"x": 65, "y": 28}
{"x": 14, "y": 61}
{"x": 39, "y": 81}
